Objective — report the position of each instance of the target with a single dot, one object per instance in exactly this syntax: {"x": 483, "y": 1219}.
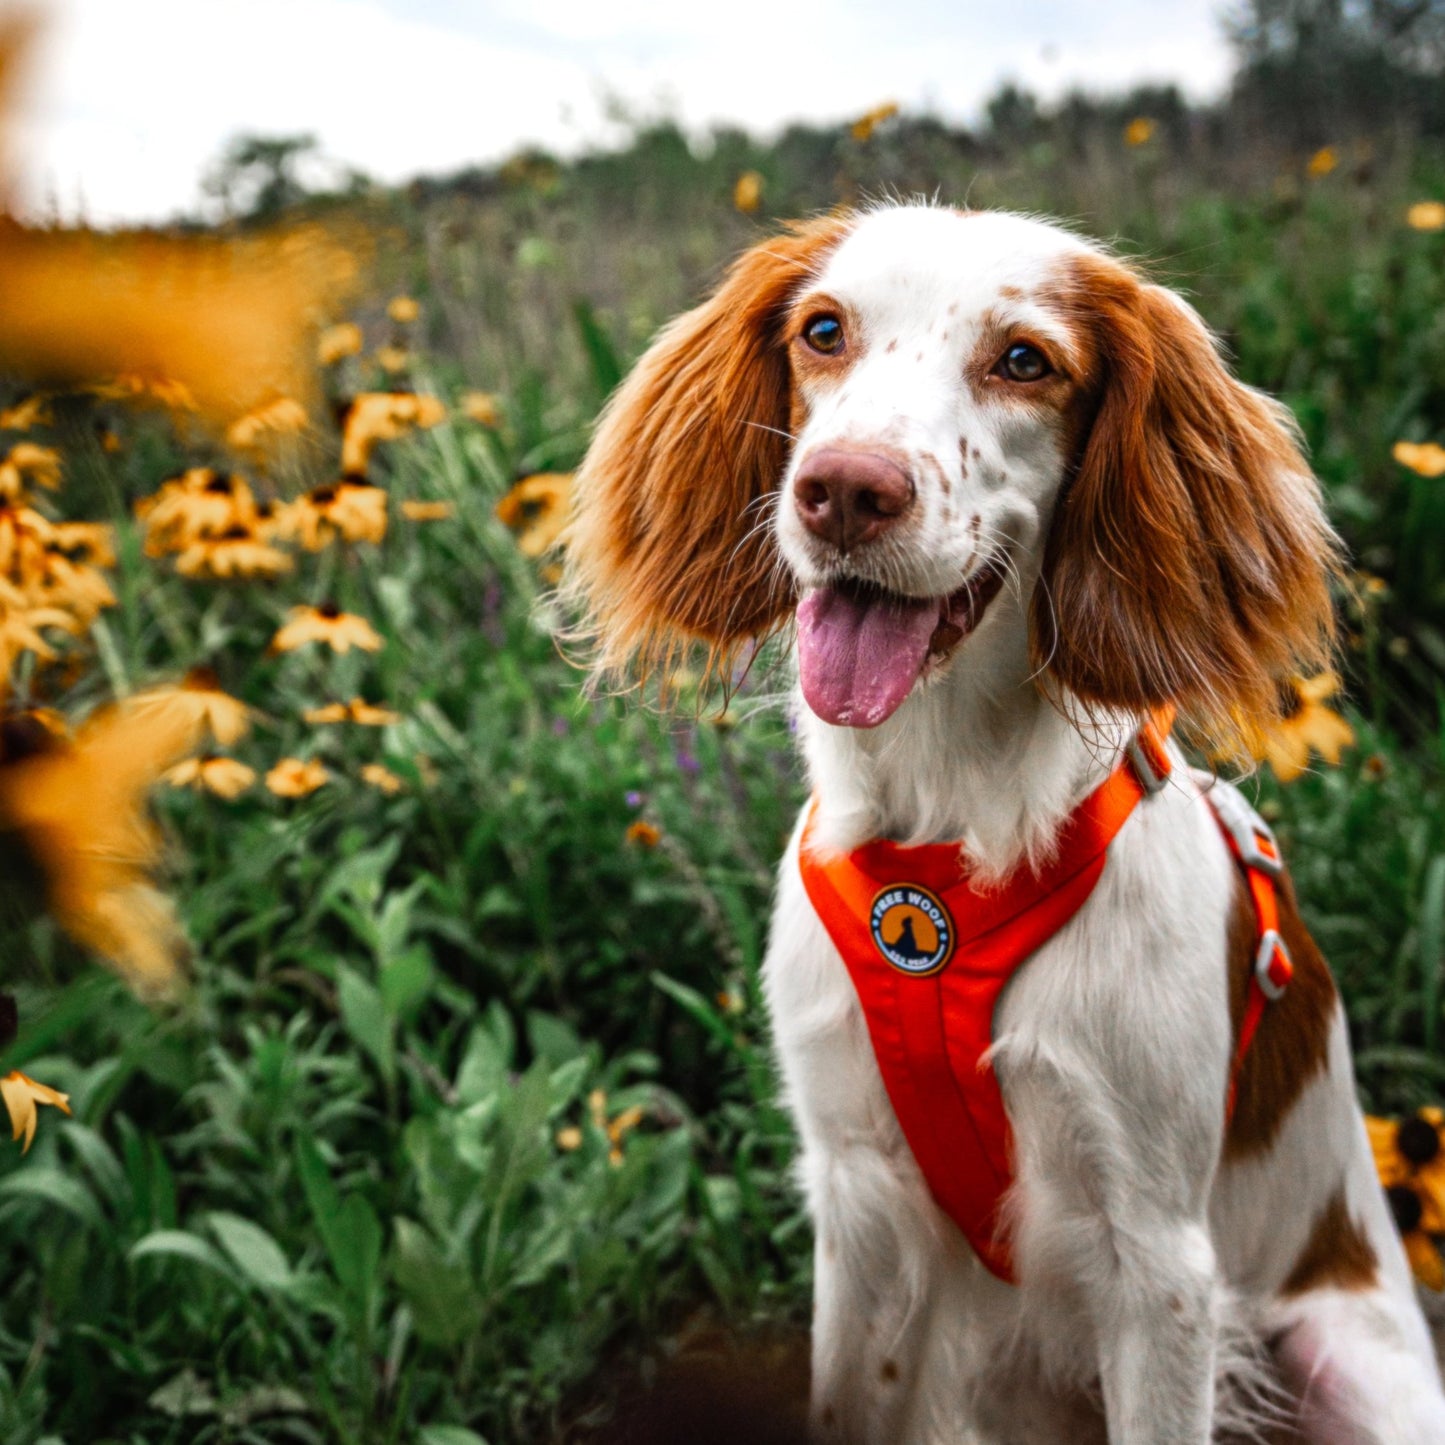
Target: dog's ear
{"x": 1189, "y": 559}
{"x": 671, "y": 533}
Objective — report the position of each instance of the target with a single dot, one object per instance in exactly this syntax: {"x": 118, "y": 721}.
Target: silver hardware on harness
{"x": 1272, "y": 984}
{"x": 1251, "y": 834}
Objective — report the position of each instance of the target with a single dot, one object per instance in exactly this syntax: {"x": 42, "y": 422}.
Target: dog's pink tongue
{"x": 859, "y": 655}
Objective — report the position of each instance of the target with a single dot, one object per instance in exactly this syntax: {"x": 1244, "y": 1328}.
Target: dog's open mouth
{"x": 862, "y": 648}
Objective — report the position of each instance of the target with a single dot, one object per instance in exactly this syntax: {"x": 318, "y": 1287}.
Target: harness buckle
{"x": 1273, "y": 967}
{"x": 1252, "y": 837}
{"x": 1149, "y": 758}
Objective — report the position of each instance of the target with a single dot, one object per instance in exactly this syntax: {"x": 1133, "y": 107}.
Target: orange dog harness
{"x": 929, "y": 954}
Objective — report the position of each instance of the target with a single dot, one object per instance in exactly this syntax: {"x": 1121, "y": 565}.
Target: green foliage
{"x": 379, "y": 1177}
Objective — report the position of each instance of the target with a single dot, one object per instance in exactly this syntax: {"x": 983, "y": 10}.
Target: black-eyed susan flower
{"x": 338, "y": 342}
{"x": 374, "y": 775}
{"x": 403, "y": 309}
{"x": 480, "y": 407}
{"x": 200, "y": 699}
{"x": 91, "y": 542}
{"x": 260, "y": 427}
{"x": 340, "y": 631}
{"x": 1306, "y": 726}
{"x": 22, "y": 1095}
{"x": 393, "y": 360}
{"x": 296, "y": 777}
{"x": 1427, "y": 459}
{"x": 1422, "y": 216}
{"x": 748, "y": 192}
{"x": 382, "y": 416}
{"x": 21, "y": 626}
{"x": 1410, "y": 1160}
{"x": 1139, "y": 131}
{"x": 28, "y": 465}
{"x": 862, "y": 129}
{"x": 30, "y": 411}
{"x": 1322, "y": 162}
{"x": 350, "y": 509}
{"x": 211, "y": 773}
{"x": 201, "y": 502}
{"x": 237, "y": 553}
{"x": 536, "y": 510}
{"x": 357, "y": 711}
{"x": 427, "y": 511}
{"x": 76, "y": 808}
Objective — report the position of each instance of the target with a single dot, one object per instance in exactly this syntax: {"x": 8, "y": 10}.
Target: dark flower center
{"x": 1405, "y": 1206}
{"x": 1418, "y": 1140}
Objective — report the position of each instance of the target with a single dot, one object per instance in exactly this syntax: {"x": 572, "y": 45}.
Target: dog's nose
{"x": 848, "y": 497}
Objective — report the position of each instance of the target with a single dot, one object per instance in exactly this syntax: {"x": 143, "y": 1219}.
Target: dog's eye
{"x": 1022, "y": 362}
{"x": 825, "y": 334}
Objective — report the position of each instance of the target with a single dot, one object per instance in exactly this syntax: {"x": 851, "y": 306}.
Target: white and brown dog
{"x": 1016, "y": 505}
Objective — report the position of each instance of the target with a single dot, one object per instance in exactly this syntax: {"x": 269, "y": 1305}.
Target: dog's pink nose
{"x": 848, "y": 497}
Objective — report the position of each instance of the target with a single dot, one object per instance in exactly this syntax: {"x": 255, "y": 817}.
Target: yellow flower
{"x": 1307, "y": 725}
{"x": 351, "y": 509}
{"x": 403, "y": 309}
{"x": 1410, "y": 1160}
{"x": 1139, "y": 131}
{"x": 536, "y": 510}
{"x": 28, "y": 465}
{"x": 865, "y": 125}
{"x": 31, "y": 411}
{"x": 1322, "y": 162}
{"x": 283, "y": 416}
{"x": 236, "y": 553}
{"x": 356, "y": 711}
{"x": 480, "y": 407}
{"x": 382, "y": 416}
{"x": 76, "y": 806}
{"x": 748, "y": 192}
{"x": 201, "y": 502}
{"x": 569, "y": 1138}
{"x": 1423, "y": 216}
{"x": 200, "y": 699}
{"x": 92, "y": 542}
{"x": 382, "y": 779}
{"x": 643, "y": 833}
{"x": 1426, "y": 458}
{"x": 293, "y": 778}
{"x": 338, "y": 342}
{"x": 21, "y": 1094}
{"x": 225, "y": 777}
{"x": 393, "y": 359}
{"x": 340, "y": 631}
{"x": 20, "y": 625}
{"x": 427, "y": 511}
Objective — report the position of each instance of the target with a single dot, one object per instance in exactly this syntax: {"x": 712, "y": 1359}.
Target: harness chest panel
{"x": 929, "y": 953}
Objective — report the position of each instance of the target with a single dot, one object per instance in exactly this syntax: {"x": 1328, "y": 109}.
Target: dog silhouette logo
{"x": 912, "y": 929}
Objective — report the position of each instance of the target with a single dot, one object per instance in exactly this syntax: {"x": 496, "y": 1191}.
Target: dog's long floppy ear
{"x": 671, "y": 534}
{"x": 1189, "y": 559}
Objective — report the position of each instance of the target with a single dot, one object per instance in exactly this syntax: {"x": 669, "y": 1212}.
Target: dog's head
{"x": 903, "y": 424}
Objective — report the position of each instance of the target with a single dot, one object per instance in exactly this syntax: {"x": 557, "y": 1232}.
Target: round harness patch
{"x": 912, "y": 929}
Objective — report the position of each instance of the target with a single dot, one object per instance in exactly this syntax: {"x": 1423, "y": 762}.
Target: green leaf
{"x": 180, "y": 1244}
{"x": 255, "y": 1252}
{"x": 365, "y": 1015}
{"x": 406, "y": 980}
{"x": 53, "y": 1187}
{"x": 440, "y": 1295}
{"x": 448, "y": 1435}
{"x": 553, "y": 1039}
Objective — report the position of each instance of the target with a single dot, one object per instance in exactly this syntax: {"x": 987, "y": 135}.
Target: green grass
{"x": 324, "y": 1198}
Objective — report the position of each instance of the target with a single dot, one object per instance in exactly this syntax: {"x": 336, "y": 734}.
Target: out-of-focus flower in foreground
{"x": 382, "y": 416}
{"x": 295, "y": 778}
{"x": 536, "y": 510}
{"x": 225, "y": 777}
{"x": 76, "y": 808}
{"x": 1322, "y": 162}
{"x": 340, "y": 631}
{"x": 353, "y": 510}
{"x": 1139, "y": 131}
{"x": 748, "y": 192}
{"x": 1427, "y": 459}
{"x": 199, "y": 697}
{"x": 862, "y": 129}
{"x": 28, "y": 412}
{"x": 1307, "y": 725}
{"x": 1426, "y": 216}
{"x": 22, "y": 1094}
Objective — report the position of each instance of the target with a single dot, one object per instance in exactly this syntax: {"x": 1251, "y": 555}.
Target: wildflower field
{"x": 428, "y": 1096}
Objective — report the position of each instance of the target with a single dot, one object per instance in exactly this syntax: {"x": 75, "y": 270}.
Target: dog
{"x": 1017, "y": 513}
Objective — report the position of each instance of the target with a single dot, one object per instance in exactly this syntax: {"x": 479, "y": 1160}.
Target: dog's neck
{"x": 977, "y": 755}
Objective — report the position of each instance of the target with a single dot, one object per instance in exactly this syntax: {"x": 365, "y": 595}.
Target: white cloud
{"x": 137, "y": 98}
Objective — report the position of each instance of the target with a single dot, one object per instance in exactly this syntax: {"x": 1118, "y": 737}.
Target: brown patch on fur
{"x": 1011, "y": 293}
{"x": 889, "y": 1371}
{"x": 1189, "y": 556}
{"x": 892, "y": 346}
{"x": 1292, "y": 1043}
{"x": 963, "y": 457}
{"x": 1337, "y": 1255}
{"x": 668, "y": 540}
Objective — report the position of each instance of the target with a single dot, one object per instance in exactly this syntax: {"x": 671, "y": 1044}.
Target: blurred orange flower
{"x": 1139, "y": 131}
{"x": 341, "y": 631}
{"x": 30, "y": 411}
{"x": 27, "y": 465}
{"x": 1425, "y": 458}
{"x": 393, "y": 359}
{"x": 200, "y": 699}
{"x": 225, "y": 777}
{"x": 92, "y": 542}
{"x": 427, "y": 511}
{"x": 201, "y": 502}
{"x": 338, "y": 342}
{"x": 643, "y": 833}
{"x": 1307, "y": 725}
{"x": 480, "y": 407}
{"x": 233, "y": 555}
{"x": 382, "y": 779}
{"x": 403, "y": 309}
{"x": 1426, "y": 216}
{"x": 748, "y": 192}
{"x": 1322, "y": 162}
{"x": 382, "y": 416}
{"x": 356, "y": 711}
{"x": 351, "y": 509}
{"x": 21, "y": 1094}
{"x": 282, "y": 416}
{"x": 862, "y": 129}
{"x": 536, "y": 509}
{"x": 294, "y": 778}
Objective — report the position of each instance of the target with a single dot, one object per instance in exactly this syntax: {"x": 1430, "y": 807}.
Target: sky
{"x": 130, "y": 101}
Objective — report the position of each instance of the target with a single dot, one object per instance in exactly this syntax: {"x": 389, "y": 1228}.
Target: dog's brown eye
{"x": 1022, "y": 362}
{"x": 825, "y": 334}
